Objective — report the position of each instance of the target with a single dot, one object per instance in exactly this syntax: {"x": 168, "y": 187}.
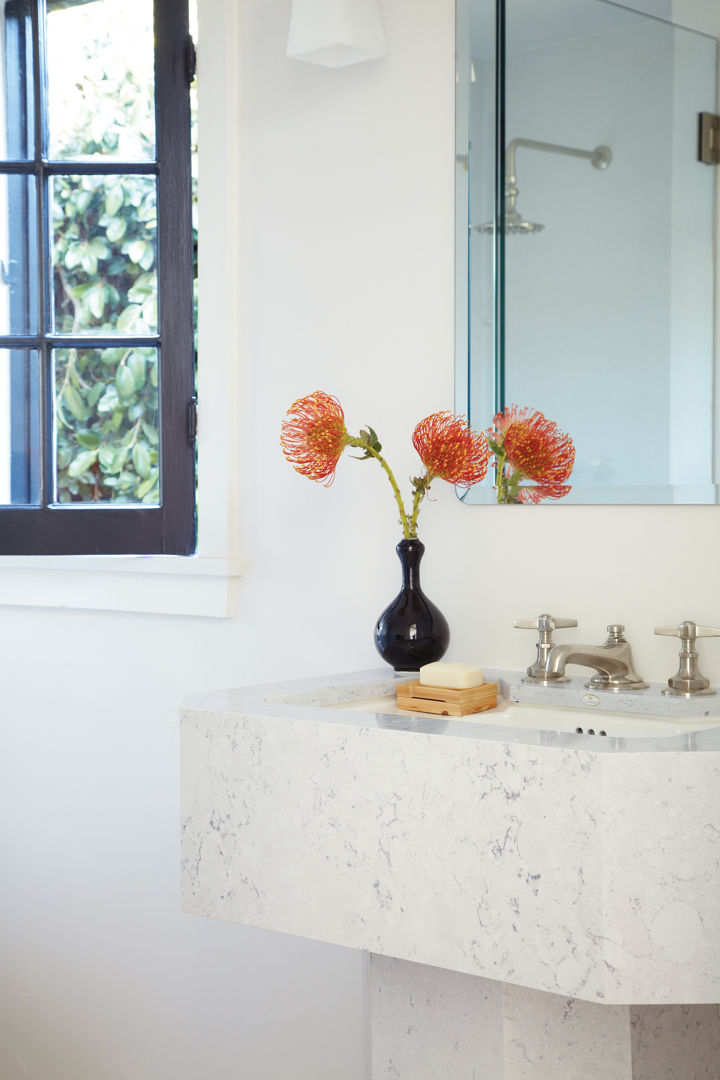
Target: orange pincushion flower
{"x": 314, "y": 436}
{"x": 533, "y": 495}
{"x": 514, "y": 414}
{"x": 540, "y": 450}
{"x": 536, "y": 448}
{"x": 448, "y": 448}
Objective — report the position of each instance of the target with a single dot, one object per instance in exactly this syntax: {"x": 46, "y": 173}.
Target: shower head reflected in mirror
{"x": 599, "y": 158}
{"x": 514, "y": 221}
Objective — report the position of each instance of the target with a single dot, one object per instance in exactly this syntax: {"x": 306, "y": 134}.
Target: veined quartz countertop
{"x": 584, "y": 866}
{"x": 324, "y": 692}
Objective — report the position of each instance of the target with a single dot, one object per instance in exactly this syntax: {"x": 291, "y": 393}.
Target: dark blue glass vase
{"x": 411, "y": 631}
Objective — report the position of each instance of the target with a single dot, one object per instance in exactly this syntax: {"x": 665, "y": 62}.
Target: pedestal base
{"x": 432, "y": 1024}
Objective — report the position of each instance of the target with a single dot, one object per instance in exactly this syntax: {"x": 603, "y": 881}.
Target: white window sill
{"x": 157, "y": 584}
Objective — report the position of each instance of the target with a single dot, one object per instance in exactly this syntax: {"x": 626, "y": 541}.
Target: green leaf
{"x": 120, "y": 460}
{"x": 137, "y": 364}
{"x": 147, "y": 258}
{"x": 83, "y": 289}
{"x": 128, "y": 317}
{"x": 95, "y": 393}
{"x": 141, "y": 289}
{"x": 106, "y": 456}
{"x": 141, "y": 460}
{"x": 112, "y": 356}
{"x": 113, "y": 200}
{"x": 147, "y": 485}
{"x": 73, "y": 255}
{"x": 136, "y": 250}
{"x": 150, "y": 433}
{"x": 99, "y": 247}
{"x": 116, "y": 229}
{"x": 149, "y": 311}
{"x": 96, "y": 300}
{"x": 109, "y": 401}
{"x": 82, "y": 463}
{"x": 82, "y": 200}
{"x": 124, "y": 382}
{"x": 88, "y": 439}
{"x": 74, "y": 402}
{"x": 89, "y": 263}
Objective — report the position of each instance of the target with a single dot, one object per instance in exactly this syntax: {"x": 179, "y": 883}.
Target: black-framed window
{"x": 96, "y": 279}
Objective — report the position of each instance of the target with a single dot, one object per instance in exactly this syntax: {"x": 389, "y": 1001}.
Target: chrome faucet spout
{"x": 612, "y": 661}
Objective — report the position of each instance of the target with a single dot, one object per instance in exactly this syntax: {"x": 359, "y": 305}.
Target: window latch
{"x": 192, "y": 421}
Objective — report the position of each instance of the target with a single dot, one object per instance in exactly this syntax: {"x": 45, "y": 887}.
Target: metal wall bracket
{"x": 709, "y": 138}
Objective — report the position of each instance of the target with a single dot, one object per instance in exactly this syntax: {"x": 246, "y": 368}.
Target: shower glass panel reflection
{"x": 601, "y": 278}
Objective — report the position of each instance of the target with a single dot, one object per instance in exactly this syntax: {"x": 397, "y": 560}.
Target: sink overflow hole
{"x": 590, "y": 731}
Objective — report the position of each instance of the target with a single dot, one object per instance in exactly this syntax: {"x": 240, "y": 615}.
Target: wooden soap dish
{"x": 414, "y": 697}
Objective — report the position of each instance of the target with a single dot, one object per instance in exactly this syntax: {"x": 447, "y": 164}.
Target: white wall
{"x": 345, "y": 240}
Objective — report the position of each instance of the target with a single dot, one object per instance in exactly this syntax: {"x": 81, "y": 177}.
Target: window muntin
{"x": 105, "y": 307}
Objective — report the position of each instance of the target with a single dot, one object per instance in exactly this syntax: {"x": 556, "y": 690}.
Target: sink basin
{"x": 584, "y": 721}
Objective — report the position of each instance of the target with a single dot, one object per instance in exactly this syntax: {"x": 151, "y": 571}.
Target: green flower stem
{"x": 362, "y": 445}
{"x": 418, "y": 497}
{"x": 500, "y": 480}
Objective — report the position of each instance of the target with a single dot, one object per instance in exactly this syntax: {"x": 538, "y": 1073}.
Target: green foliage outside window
{"x": 105, "y": 284}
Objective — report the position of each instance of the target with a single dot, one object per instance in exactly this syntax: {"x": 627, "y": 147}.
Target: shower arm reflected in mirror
{"x": 599, "y": 158}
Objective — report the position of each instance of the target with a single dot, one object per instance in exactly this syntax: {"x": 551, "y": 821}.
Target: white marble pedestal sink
{"x": 538, "y": 904}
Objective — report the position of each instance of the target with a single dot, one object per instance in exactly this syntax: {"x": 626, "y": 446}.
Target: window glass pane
{"x": 100, "y": 80}
{"x": 20, "y": 468}
{"x": 17, "y": 118}
{"x": 106, "y": 425}
{"x": 18, "y": 255}
{"x": 104, "y": 278}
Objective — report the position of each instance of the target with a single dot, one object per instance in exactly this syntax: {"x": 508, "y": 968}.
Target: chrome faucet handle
{"x": 687, "y": 681}
{"x": 545, "y": 624}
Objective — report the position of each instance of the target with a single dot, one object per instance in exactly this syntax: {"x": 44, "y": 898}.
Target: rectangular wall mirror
{"x": 585, "y": 240}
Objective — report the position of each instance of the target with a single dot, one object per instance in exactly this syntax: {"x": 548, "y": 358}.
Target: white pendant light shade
{"x": 335, "y": 33}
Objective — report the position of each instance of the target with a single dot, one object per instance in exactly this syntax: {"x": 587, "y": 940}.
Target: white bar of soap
{"x": 451, "y": 676}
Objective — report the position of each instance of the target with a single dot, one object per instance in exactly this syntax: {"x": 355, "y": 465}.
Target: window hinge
{"x": 192, "y": 421}
{"x": 709, "y": 138}
{"x": 190, "y": 59}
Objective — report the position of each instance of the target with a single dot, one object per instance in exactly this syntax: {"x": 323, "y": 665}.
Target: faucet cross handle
{"x": 688, "y": 630}
{"x": 545, "y": 624}
{"x": 687, "y": 681}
